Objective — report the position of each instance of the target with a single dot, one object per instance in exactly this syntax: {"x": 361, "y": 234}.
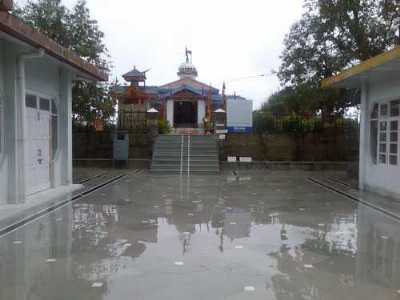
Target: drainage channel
{"x": 358, "y": 200}
{"x": 84, "y": 180}
{"x": 47, "y": 210}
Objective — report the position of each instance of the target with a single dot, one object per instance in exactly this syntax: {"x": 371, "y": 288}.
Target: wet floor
{"x": 258, "y": 236}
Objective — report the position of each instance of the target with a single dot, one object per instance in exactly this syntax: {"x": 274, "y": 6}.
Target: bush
{"x": 265, "y": 122}
{"x": 164, "y": 127}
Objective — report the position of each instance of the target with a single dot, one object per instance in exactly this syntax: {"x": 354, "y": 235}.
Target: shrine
{"x": 185, "y": 103}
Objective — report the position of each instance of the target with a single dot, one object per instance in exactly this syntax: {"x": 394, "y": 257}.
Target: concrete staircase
{"x": 185, "y": 154}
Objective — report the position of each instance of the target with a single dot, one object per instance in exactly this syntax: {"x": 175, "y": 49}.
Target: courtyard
{"x": 246, "y": 235}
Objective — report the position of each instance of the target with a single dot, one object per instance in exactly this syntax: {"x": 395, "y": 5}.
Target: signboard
{"x": 240, "y": 129}
{"x": 222, "y": 137}
{"x": 245, "y": 159}
{"x": 221, "y": 131}
{"x": 232, "y": 159}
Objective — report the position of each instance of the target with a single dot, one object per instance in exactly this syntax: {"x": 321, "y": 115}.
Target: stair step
{"x": 201, "y": 151}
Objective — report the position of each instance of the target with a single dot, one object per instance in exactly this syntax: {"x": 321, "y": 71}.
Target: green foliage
{"x": 92, "y": 101}
{"x": 75, "y": 30}
{"x": 265, "y": 122}
{"x": 164, "y": 127}
{"x": 305, "y": 100}
{"x": 331, "y": 35}
{"x": 335, "y": 34}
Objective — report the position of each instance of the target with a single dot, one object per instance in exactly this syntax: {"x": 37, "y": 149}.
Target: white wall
{"x": 44, "y": 77}
{"x": 201, "y": 112}
{"x": 239, "y": 113}
{"x": 170, "y": 112}
{"x": 3, "y": 156}
{"x": 8, "y": 175}
{"x": 47, "y": 78}
{"x": 384, "y": 179}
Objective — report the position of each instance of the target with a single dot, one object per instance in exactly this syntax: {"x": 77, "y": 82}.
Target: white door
{"x": 37, "y": 145}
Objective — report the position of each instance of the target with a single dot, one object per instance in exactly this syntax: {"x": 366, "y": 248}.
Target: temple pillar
{"x": 201, "y": 112}
{"x": 170, "y": 112}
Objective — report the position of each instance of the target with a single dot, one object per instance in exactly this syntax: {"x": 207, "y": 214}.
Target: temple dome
{"x": 187, "y": 70}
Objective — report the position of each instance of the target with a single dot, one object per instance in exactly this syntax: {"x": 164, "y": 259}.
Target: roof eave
{"x": 341, "y": 80}
{"x": 19, "y": 30}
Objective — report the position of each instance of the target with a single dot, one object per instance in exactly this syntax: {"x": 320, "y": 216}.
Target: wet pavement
{"x": 262, "y": 235}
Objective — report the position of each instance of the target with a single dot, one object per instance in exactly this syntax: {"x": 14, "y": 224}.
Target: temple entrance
{"x": 185, "y": 114}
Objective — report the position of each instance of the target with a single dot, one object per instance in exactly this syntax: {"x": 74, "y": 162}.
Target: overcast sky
{"x": 230, "y": 39}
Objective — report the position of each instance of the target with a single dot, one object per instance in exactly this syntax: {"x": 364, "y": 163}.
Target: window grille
{"x": 384, "y": 133}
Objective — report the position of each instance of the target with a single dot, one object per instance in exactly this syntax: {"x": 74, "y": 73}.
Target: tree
{"x": 48, "y": 16}
{"x": 333, "y": 35}
{"x": 75, "y": 30}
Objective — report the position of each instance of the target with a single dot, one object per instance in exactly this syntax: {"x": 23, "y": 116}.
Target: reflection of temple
{"x": 237, "y": 223}
{"x": 185, "y": 102}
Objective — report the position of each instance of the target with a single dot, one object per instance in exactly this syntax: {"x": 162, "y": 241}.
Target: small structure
{"x": 121, "y": 148}
{"x": 379, "y": 81}
{"x": 36, "y": 76}
{"x": 134, "y": 101}
{"x": 219, "y": 121}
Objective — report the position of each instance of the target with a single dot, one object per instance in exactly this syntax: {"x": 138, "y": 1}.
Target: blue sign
{"x": 240, "y": 129}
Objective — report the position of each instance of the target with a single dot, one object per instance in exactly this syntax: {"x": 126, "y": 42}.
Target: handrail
{"x": 182, "y": 142}
{"x": 188, "y": 164}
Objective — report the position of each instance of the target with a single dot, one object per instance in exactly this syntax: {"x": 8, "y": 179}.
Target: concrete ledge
{"x": 107, "y": 163}
{"x": 14, "y": 216}
{"x": 13, "y": 213}
{"x": 271, "y": 165}
{"x": 387, "y": 205}
{"x": 286, "y": 165}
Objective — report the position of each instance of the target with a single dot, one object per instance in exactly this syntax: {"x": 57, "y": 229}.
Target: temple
{"x": 184, "y": 103}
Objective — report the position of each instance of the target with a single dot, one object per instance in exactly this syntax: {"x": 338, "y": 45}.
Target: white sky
{"x": 229, "y": 38}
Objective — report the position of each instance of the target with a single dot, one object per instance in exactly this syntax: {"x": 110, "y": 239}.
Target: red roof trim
{"x": 16, "y": 28}
{"x": 187, "y": 81}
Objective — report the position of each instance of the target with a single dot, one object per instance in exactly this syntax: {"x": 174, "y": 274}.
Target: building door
{"x": 37, "y": 144}
{"x": 185, "y": 114}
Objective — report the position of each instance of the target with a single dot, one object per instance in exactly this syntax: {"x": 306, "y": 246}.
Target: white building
{"x": 239, "y": 114}
{"x": 379, "y": 81}
{"x": 36, "y": 76}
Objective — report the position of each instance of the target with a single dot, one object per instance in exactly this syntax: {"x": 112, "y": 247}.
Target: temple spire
{"x": 187, "y": 69}
{"x": 188, "y": 55}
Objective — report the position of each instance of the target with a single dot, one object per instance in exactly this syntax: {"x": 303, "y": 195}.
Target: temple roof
{"x": 135, "y": 75}
{"x": 189, "y": 82}
{"x": 379, "y": 68}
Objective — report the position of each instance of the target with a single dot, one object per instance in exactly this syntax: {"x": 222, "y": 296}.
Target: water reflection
{"x": 309, "y": 246}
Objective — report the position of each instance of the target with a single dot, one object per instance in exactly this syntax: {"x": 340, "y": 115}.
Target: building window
{"x": 1, "y": 125}
{"x": 30, "y": 101}
{"x": 54, "y": 127}
{"x": 384, "y": 133}
{"x": 374, "y": 133}
{"x": 49, "y": 106}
